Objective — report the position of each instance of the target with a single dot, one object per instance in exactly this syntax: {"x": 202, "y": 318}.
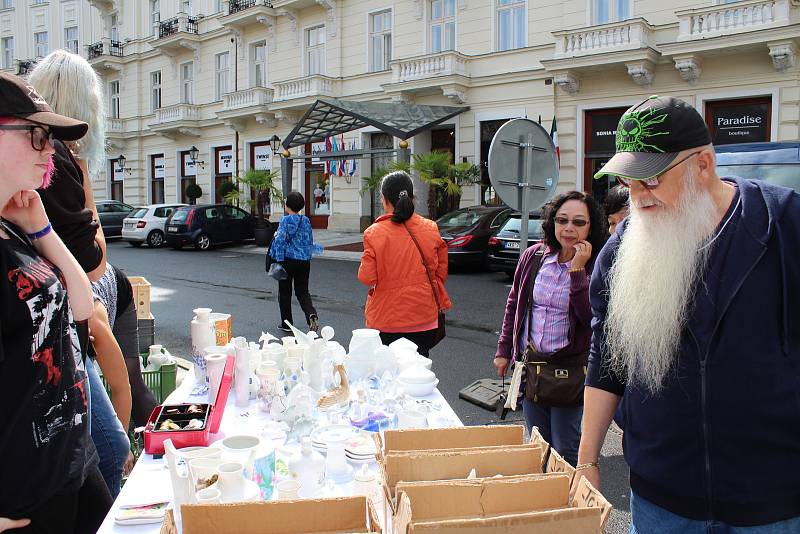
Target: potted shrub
{"x": 262, "y": 183}
{"x": 193, "y": 192}
{"x": 228, "y": 192}
{"x": 372, "y": 184}
{"x": 445, "y": 180}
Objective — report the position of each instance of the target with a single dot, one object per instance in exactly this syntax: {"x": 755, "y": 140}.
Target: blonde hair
{"x": 72, "y": 88}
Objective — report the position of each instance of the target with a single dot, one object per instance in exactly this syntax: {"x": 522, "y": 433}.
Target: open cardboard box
{"x": 346, "y": 515}
{"x": 521, "y": 504}
{"x": 449, "y": 438}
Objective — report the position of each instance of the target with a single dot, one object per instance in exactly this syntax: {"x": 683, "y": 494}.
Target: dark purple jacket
{"x": 519, "y": 303}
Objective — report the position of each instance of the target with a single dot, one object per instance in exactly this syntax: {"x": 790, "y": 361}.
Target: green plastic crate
{"x": 161, "y": 382}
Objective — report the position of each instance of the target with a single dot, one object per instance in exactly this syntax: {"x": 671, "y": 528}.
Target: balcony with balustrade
{"x": 176, "y": 119}
{"x": 179, "y": 32}
{"x": 298, "y": 93}
{"x": 446, "y": 71}
{"x": 238, "y": 106}
{"x": 243, "y": 13}
{"x": 105, "y": 55}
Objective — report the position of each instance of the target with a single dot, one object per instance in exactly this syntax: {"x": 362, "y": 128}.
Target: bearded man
{"x": 696, "y": 335}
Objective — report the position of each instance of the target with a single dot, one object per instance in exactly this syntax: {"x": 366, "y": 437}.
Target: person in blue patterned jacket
{"x": 293, "y": 247}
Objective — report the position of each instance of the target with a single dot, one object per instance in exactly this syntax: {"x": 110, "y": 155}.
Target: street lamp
{"x": 193, "y": 153}
{"x": 121, "y": 164}
{"x": 275, "y": 141}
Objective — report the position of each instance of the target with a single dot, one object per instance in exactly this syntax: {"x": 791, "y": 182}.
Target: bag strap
{"x": 538, "y": 256}
{"x": 425, "y": 264}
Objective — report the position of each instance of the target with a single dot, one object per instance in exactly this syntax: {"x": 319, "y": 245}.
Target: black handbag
{"x": 440, "y": 325}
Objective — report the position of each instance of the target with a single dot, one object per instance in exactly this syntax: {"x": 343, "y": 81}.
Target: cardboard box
{"x": 141, "y": 296}
{"x": 557, "y": 464}
{"x": 346, "y": 515}
{"x": 449, "y": 438}
{"x": 532, "y": 503}
{"x": 211, "y": 417}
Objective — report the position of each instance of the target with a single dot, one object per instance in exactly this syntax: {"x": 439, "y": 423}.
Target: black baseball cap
{"x": 19, "y": 99}
{"x": 651, "y": 134}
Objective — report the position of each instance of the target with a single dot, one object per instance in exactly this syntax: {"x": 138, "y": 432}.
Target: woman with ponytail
{"x": 405, "y": 266}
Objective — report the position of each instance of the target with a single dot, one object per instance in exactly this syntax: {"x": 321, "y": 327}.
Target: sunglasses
{"x": 39, "y": 135}
{"x": 563, "y": 221}
{"x": 655, "y": 181}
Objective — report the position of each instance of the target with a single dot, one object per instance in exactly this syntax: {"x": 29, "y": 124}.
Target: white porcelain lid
{"x": 417, "y": 375}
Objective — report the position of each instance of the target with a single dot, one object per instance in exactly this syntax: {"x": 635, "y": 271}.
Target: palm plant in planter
{"x": 262, "y": 183}
{"x": 229, "y": 192}
{"x": 372, "y": 184}
{"x": 445, "y": 180}
{"x": 193, "y": 192}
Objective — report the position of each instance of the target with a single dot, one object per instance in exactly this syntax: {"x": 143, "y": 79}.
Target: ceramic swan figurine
{"x": 339, "y": 394}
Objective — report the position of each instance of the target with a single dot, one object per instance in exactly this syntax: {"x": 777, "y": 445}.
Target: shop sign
{"x": 740, "y": 123}
{"x": 189, "y": 168}
{"x": 118, "y": 172}
{"x": 316, "y": 148}
{"x": 603, "y": 132}
{"x": 262, "y": 155}
{"x": 158, "y": 167}
{"x": 225, "y": 162}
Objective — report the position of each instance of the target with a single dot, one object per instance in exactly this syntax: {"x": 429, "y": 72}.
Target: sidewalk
{"x": 326, "y": 238}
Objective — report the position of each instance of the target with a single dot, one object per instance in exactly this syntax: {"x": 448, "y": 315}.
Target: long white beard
{"x": 651, "y": 283}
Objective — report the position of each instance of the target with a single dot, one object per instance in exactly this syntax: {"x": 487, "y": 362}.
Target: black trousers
{"x": 77, "y": 513}
{"x": 298, "y": 271}
{"x": 423, "y": 340}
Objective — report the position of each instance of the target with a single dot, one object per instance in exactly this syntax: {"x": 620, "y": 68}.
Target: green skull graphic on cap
{"x": 637, "y": 131}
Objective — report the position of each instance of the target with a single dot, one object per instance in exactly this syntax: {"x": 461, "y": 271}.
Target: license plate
{"x": 128, "y": 225}
{"x": 173, "y": 228}
{"x": 512, "y": 244}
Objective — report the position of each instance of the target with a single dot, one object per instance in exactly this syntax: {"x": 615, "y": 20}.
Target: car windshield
{"x": 138, "y": 213}
{"x": 785, "y": 175}
{"x": 180, "y": 215}
{"x": 459, "y": 219}
{"x": 513, "y": 225}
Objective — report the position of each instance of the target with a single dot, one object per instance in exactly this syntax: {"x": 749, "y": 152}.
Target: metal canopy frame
{"x": 330, "y": 117}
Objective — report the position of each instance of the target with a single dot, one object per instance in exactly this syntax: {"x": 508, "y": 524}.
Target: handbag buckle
{"x": 562, "y": 373}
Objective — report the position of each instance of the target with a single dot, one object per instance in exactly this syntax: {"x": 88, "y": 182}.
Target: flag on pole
{"x": 334, "y": 163}
{"x": 554, "y": 137}
{"x": 343, "y": 162}
{"x": 328, "y": 147}
{"x": 351, "y": 165}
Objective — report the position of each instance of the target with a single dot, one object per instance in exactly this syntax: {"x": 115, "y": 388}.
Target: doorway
{"x": 318, "y": 192}
{"x": 599, "y": 137}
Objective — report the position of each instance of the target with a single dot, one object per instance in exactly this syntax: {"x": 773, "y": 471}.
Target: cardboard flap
{"x": 317, "y": 516}
{"x": 557, "y": 464}
{"x": 586, "y": 496}
{"x": 571, "y": 520}
{"x": 472, "y": 449}
{"x": 222, "y": 395}
{"x": 537, "y": 439}
{"x": 451, "y": 438}
{"x": 524, "y": 494}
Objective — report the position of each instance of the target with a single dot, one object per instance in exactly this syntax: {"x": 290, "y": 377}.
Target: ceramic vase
{"x": 242, "y": 449}
{"x": 274, "y": 352}
{"x": 313, "y": 359}
{"x": 336, "y": 466}
{"x": 215, "y": 366}
{"x": 288, "y": 340}
{"x": 182, "y": 487}
{"x": 242, "y": 372}
{"x": 264, "y": 470}
{"x": 231, "y": 484}
{"x": 307, "y": 467}
{"x": 202, "y": 336}
{"x": 291, "y": 369}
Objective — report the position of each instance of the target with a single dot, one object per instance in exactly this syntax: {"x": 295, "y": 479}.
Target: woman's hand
{"x": 25, "y": 209}
{"x": 583, "y": 253}
{"x": 9, "y": 524}
{"x": 501, "y": 364}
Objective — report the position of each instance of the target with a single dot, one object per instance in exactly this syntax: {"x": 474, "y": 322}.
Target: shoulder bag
{"x": 440, "y": 328}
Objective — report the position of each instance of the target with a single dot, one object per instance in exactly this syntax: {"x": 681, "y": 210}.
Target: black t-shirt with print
{"x": 44, "y": 426}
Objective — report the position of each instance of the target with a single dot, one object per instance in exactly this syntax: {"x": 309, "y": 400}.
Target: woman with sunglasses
{"x": 47, "y": 460}
{"x": 547, "y": 316}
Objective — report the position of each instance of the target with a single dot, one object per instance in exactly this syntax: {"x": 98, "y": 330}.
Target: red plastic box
{"x": 199, "y": 437}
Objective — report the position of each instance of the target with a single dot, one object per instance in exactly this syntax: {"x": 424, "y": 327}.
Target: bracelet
{"x": 41, "y": 233}
{"x": 587, "y": 465}
{"x": 579, "y": 269}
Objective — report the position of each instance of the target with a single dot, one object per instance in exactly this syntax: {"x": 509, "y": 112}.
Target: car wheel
{"x": 203, "y": 242}
{"x": 135, "y": 244}
{"x": 155, "y": 239}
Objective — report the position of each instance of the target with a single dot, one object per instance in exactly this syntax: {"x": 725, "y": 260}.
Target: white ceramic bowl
{"x": 417, "y": 375}
{"x": 414, "y": 360}
{"x": 418, "y": 390}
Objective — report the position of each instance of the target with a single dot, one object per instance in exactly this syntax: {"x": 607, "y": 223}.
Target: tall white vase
{"x": 202, "y": 336}
{"x": 242, "y": 372}
{"x": 215, "y": 367}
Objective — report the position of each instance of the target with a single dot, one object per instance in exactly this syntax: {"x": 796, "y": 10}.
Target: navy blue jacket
{"x": 722, "y": 440}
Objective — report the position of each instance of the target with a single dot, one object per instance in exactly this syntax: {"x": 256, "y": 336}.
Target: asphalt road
{"x": 231, "y": 280}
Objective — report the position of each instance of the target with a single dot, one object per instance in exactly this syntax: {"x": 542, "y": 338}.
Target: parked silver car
{"x": 146, "y": 224}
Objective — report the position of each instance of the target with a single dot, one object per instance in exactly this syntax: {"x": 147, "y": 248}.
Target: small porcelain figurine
{"x": 339, "y": 394}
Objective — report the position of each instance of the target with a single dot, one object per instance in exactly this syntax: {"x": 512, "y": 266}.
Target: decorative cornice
{"x": 783, "y": 54}
{"x": 330, "y": 7}
{"x": 266, "y": 119}
{"x": 287, "y": 116}
{"x": 195, "y": 48}
{"x": 403, "y": 97}
{"x": 271, "y": 23}
{"x": 568, "y": 82}
{"x": 165, "y": 134}
{"x": 192, "y": 132}
{"x": 642, "y": 72}
{"x": 455, "y": 93}
{"x": 690, "y": 67}
{"x": 237, "y": 125}
{"x": 292, "y": 16}
{"x": 238, "y": 44}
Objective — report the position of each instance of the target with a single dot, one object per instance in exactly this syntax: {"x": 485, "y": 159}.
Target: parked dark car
{"x": 777, "y": 163}
{"x": 466, "y": 232}
{"x": 208, "y": 224}
{"x": 504, "y": 245}
{"x": 111, "y": 213}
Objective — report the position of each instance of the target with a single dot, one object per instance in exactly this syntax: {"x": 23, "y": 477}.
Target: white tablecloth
{"x": 150, "y": 482}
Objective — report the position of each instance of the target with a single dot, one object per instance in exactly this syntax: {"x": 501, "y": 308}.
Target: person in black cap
{"x": 49, "y": 472}
{"x": 616, "y": 206}
{"x": 696, "y": 302}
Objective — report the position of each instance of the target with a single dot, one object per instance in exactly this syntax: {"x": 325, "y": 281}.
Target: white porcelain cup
{"x": 241, "y": 448}
{"x": 210, "y": 495}
{"x": 412, "y": 419}
{"x": 288, "y": 490}
{"x": 288, "y": 340}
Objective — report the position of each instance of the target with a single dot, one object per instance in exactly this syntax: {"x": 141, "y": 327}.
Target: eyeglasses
{"x": 39, "y": 135}
{"x": 655, "y": 181}
{"x": 563, "y": 221}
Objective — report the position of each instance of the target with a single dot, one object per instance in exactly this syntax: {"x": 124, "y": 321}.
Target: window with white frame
{"x": 315, "y": 50}
{"x": 113, "y": 99}
{"x": 113, "y": 26}
{"x": 511, "y": 24}
{"x": 218, "y": 6}
{"x": 221, "y": 74}
{"x": 186, "y": 7}
{"x": 259, "y": 59}
{"x": 155, "y": 91}
{"x": 8, "y": 52}
{"x": 8, "y": 4}
{"x": 443, "y": 25}
{"x": 187, "y": 83}
{"x": 40, "y": 44}
{"x": 155, "y": 15}
{"x": 71, "y": 39}
{"x": 380, "y": 40}
{"x": 605, "y": 11}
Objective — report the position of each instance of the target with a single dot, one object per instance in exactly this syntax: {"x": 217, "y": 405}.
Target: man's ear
{"x": 707, "y": 163}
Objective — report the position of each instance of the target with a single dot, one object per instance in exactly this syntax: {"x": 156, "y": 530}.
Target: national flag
{"x": 328, "y": 149}
{"x": 351, "y": 167}
{"x": 554, "y": 137}
{"x": 343, "y": 162}
{"x": 334, "y": 163}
